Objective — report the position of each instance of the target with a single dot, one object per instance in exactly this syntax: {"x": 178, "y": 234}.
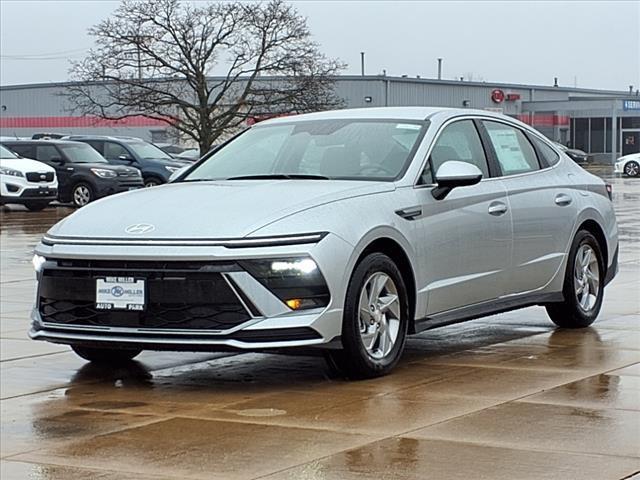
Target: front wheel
{"x": 583, "y": 288}
{"x": 105, "y": 355}
{"x": 152, "y": 182}
{"x": 81, "y": 195}
{"x": 375, "y": 320}
{"x": 632, "y": 169}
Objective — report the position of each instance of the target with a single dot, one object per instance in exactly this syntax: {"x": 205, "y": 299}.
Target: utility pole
{"x": 362, "y": 63}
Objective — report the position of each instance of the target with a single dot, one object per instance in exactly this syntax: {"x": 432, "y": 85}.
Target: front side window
{"x": 458, "y": 141}
{"x": 47, "y": 153}
{"x": 113, "y": 151}
{"x": 334, "y": 149}
{"x": 514, "y": 152}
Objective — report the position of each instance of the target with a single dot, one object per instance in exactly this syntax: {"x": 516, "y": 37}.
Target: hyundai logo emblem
{"x": 139, "y": 228}
{"x": 43, "y": 177}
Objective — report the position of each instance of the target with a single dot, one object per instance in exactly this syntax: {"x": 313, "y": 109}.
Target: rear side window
{"x": 514, "y": 152}
{"x": 548, "y": 154}
{"x": 25, "y": 151}
{"x": 458, "y": 141}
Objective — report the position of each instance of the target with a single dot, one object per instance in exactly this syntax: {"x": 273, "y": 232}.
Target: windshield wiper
{"x": 280, "y": 176}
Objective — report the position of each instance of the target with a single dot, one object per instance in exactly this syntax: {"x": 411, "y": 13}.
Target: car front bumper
{"x": 19, "y": 190}
{"x": 271, "y": 324}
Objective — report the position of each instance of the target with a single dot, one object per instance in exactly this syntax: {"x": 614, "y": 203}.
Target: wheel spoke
{"x": 388, "y": 303}
{"x": 378, "y": 284}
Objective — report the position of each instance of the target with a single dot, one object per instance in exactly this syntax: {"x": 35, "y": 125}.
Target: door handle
{"x": 497, "y": 208}
{"x": 563, "y": 199}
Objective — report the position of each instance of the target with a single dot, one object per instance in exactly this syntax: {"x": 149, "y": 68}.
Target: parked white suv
{"x": 26, "y": 182}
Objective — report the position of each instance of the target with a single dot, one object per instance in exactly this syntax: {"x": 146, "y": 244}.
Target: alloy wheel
{"x": 81, "y": 195}
{"x": 379, "y": 315}
{"x": 586, "y": 278}
{"x": 632, "y": 169}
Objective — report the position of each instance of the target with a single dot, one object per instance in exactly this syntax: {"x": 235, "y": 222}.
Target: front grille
{"x": 128, "y": 174}
{"x": 180, "y": 295}
{"x": 40, "y": 177}
{"x": 205, "y": 316}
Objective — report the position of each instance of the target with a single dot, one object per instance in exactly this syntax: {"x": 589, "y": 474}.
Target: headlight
{"x": 38, "y": 261}
{"x": 104, "y": 173}
{"x": 172, "y": 169}
{"x": 298, "y": 282}
{"x": 11, "y": 171}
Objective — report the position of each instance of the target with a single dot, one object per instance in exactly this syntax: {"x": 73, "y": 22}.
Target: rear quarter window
{"x": 549, "y": 156}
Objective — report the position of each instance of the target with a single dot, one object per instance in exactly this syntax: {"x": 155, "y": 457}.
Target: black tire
{"x": 36, "y": 206}
{"x": 353, "y": 360}
{"x": 569, "y": 313}
{"x": 82, "y": 194}
{"x": 632, "y": 169}
{"x": 105, "y": 355}
{"x": 152, "y": 182}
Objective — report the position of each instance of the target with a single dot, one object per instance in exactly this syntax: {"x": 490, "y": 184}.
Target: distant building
{"x": 596, "y": 121}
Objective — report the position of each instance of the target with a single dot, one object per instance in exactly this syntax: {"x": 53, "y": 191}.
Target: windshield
{"x": 147, "y": 151}
{"x": 6, "y": 153}
{"x": 81, "y": 153}
{"x": 334, "y": 149}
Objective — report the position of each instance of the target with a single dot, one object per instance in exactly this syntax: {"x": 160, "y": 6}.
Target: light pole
{"x": 362, "y": 63}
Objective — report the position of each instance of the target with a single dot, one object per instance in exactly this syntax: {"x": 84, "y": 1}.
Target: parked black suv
{"x": 83, "y": 174}
{"x": 156, "y": 166}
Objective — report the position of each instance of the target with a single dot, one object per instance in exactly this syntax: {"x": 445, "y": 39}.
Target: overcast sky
{"x": 588, "y": 44}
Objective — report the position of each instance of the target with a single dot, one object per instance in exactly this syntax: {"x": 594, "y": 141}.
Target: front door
{"x": 630, "y": 141}
{"x": 465, "y": 250}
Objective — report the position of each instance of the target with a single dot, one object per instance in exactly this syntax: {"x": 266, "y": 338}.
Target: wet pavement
{"x": 503, "y": 397}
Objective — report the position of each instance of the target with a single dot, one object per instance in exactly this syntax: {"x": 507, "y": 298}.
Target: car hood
{"x": 174, "y": 162}
{"x": 631, "y": 156}
{"x": 208, "y": 210}
{"x": 25, "y": 165}
{"x": 575, "y": 151}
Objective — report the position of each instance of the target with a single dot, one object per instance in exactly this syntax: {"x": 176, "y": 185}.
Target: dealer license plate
{"x": 120, "y": 293}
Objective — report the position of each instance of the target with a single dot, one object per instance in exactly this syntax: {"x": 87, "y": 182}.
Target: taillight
{"x": 609, "y": 190}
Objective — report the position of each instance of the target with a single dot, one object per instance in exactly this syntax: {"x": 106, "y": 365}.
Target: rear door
{"x": 466, "y": 249}
{"x": 50, "y": 155}
{"x": 542, "y": 206}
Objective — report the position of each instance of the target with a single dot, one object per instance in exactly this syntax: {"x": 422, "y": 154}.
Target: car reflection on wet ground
{"x": 503, "y": 397}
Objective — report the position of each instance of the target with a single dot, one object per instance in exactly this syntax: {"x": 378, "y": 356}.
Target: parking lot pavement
{"x": 503, "y": 397}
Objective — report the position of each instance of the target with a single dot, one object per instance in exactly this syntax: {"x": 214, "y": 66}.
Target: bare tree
{"x": 202, "y": 69}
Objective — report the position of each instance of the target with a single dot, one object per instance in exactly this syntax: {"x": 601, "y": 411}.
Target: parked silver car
{"x": 344, "y": 230}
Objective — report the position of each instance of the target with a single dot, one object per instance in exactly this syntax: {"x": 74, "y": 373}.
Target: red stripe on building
{"x": 544, "y": 119}
{"x": 77, "y": 122}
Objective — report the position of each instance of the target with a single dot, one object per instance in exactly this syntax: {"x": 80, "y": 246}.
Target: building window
{"x": 630, "y": 122}
{"x": 581, "y": 134}
{"x": 597, "y": 135}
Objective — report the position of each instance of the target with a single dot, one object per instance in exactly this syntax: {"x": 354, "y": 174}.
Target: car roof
{"x": 40, "y": 141}
{"x": 106, "y": 137}
{"x": 384, "y": 113}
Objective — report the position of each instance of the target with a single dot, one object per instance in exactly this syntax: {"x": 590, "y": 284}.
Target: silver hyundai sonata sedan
{"x": 344, "y": 231}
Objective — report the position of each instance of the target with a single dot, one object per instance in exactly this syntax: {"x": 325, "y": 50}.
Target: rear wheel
{"x": 632, "y": 169}
{"x": 105, "y": 355}
{"x": 36, "y": 206}
{"x": 375, "y": 320}
{"x": 583, "y": 288}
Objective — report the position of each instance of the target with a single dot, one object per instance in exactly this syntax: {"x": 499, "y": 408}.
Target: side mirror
{"x": 454, "y": 174}
{"x": 59, "y": 161}
{"x": 125, "y": 158}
